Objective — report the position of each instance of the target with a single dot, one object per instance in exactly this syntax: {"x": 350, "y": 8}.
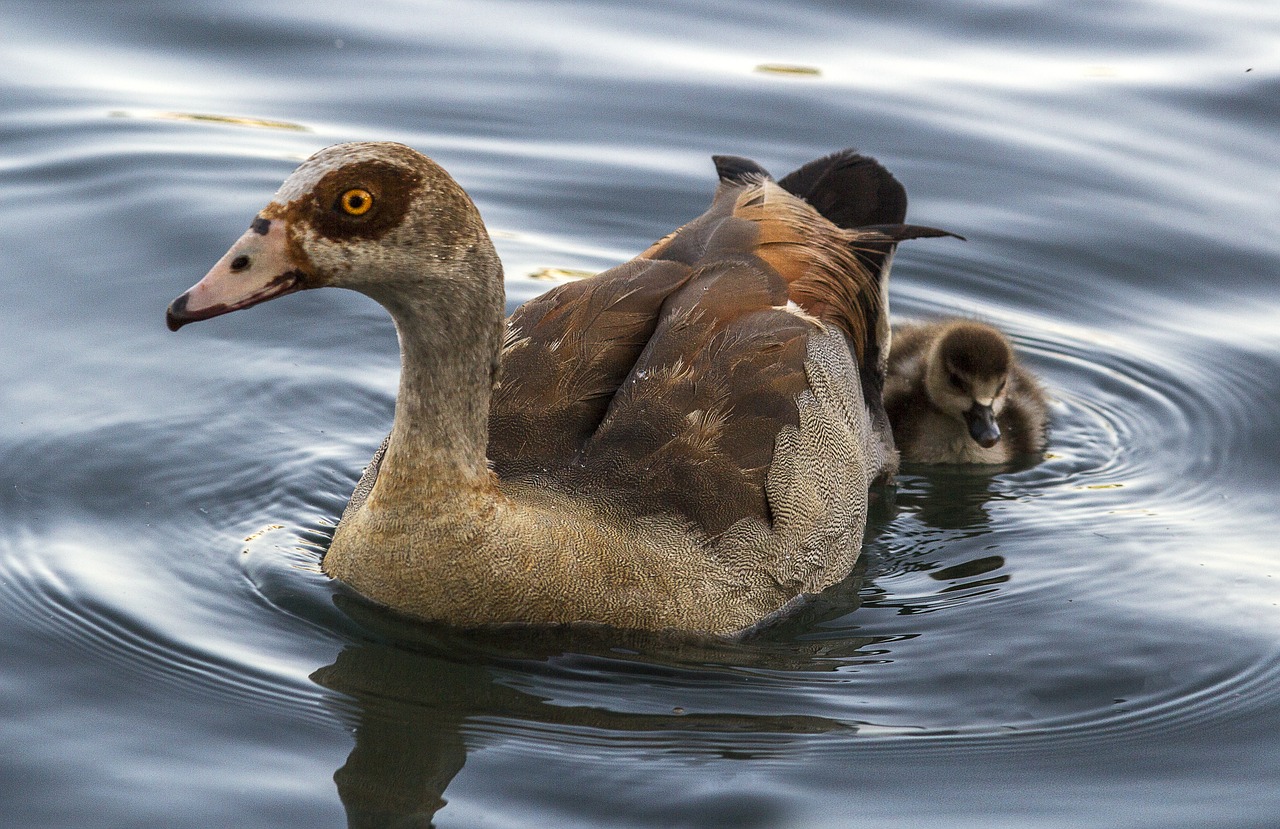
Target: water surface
{"x": 1087, "y": 641}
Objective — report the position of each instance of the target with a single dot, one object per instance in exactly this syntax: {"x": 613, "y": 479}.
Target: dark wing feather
{"x": 734, "y": 169}
{"x": 850, "y": 190}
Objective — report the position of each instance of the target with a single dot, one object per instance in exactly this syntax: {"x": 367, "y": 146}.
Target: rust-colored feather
{"x": 823, "y": 272}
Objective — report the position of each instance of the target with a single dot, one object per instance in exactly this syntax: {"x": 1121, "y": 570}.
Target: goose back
{"x": 669, "y": 379}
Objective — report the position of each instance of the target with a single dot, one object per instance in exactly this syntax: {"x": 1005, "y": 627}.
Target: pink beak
{"x": 257, "y": 268}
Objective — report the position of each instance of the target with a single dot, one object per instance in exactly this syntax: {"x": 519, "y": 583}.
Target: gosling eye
{"x": 956, "y": 381}
{"x": 1000, "y": 388}
{"x": 355, "y": 202}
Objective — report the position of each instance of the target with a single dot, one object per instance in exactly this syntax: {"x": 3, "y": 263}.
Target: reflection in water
{"x": 230, "y": 120}
{"x": 408, "y": 731}
{"x": 416, "y": 694}
{"x": 952, "y": 498}
{"x": 942, "y": 528}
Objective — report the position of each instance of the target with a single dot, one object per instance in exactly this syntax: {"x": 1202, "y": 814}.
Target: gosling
{"x": 955, "y": 393}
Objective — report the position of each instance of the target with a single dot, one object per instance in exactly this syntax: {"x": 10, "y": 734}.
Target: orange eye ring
{"x": 356, "y": 202}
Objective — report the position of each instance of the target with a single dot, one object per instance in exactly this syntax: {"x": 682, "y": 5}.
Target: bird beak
{"x": 982, "y": 425}
{"x": 257, "y": 268}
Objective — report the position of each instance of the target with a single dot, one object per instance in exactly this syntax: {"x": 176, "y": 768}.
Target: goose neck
{"x": 449, "y": 348}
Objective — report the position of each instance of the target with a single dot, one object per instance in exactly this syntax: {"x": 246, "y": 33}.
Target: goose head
{"x": 967, "y": 377}
{"x": 378, "y": 218}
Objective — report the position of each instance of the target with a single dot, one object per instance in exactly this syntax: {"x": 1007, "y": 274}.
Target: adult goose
{"x": 684, "y": 441}
{"x": 956, "y": 393}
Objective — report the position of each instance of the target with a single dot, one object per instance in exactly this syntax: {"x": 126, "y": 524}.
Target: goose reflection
{"x": 422, "y": 697}
{"x": 952, "y": 497}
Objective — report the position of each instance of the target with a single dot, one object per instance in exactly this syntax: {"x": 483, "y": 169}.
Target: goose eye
{"x": 956, "y": 381}
{"x": 355, "y": 202}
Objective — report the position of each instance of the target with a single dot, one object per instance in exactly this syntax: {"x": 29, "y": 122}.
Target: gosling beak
{"x": 257, "y": 268}
{"x": 982, "y": 425}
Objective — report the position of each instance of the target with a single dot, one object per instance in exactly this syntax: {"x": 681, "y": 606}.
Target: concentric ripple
{"x": 1088, "y": 640}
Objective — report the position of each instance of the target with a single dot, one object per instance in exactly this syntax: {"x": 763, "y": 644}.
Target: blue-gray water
{"x": 1093, "y": 641}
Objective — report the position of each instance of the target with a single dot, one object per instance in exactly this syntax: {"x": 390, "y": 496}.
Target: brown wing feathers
{"x": 697, "y": 419}
{"x": 567, "y": 352}
{"x": 670, "y": 377}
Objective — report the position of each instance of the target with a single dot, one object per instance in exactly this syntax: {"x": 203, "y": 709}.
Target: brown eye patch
{"x": 363, "y": 200}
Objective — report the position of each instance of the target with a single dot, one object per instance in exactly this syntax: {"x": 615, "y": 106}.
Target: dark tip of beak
{"x": 982, "y": 425}
{"x": 176, "y": 315}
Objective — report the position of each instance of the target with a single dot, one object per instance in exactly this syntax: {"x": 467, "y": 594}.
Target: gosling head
{"x": 967, "y": 376}
{"x": 373, "y": 217}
